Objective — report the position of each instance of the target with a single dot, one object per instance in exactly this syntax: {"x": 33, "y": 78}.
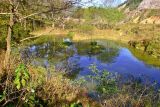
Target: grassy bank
{"x": 28, "y": 86}
{"x": 122, "y": 34}
{"x": 55, "y": 90}
{"x": 144, "y": 37}
{"x": 94, "y": 34}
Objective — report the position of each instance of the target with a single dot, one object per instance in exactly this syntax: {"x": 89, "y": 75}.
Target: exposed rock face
{"x": 147, "y": 12}
{"x": 149, "y": 4}
{"x": 151, "y": 20}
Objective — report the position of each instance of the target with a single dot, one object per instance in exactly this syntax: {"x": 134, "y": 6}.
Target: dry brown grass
{"x": 120, "y": 36}
{"x": 14, "y": 61}
{"x": 121, "y": 100}
{"x": 127, "y": 32}
{"x": 103, "y": 34}
{"x": 58, "y": 90}
{"x": 55, "y": 90}
{"x": 96, "y": 34}
{"x": 49, "y": 31}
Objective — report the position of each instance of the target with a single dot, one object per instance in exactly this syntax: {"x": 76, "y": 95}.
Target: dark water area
{"x": 77, "y": 58}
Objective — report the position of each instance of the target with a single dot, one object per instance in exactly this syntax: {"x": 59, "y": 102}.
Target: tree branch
{"x": 6, "y": 13}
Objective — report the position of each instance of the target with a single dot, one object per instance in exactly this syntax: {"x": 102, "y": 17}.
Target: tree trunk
{"x": 8, "y": 39}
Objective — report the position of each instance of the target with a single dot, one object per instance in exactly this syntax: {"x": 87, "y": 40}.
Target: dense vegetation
{"x": 133, "y": 4}
{"x": 101, "y": 15}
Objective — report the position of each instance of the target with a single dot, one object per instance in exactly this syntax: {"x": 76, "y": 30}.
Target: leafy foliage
{"x": 106, "y": 83}
{"x": 21, "y": 76}
{"x": 133, "y": 4}
{"x": 76, "y": 105}
{"x": 19, "y": 32}
{"x": 3, "y": 30}
{"x": 109, "y": 15}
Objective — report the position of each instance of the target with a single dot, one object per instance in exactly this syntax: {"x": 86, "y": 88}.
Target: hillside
{"x": 141, "y": 11}
{"x": 149, "y": 4}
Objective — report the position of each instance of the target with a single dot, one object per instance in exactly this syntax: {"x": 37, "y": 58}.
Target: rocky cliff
{"x": 142, "y": 11}
{"x": 149, "y": 4}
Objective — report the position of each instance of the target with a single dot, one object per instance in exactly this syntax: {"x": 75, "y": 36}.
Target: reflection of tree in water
{"x": 70, "y": 67}
{"x": 82, "y": 48}
{"x": 65, "y": 59}
{"x": 136, "y": 81}
{"x": 36, "y": 51}
{"x": 53, "y": 52}
{"x": 86, "y": 48}
{"x": 109, "y": 55}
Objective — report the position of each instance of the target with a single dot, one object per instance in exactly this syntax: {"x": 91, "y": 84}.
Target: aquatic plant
{"x": 106, "y": 84}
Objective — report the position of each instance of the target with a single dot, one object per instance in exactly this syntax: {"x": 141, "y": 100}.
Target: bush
{"x": 133, "y": 4}
{"x": 3, "y": 31}
{"x": 19, "y": 33}
{"x": 110, "y": 15}
{"x": 115, "y": 92}
{"x": 71, "y": 25}
{"x": 31, "y": 87}
{"x": 106, "y": 85}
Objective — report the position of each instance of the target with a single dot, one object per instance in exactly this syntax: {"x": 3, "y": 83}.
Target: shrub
{"x": 21, "y": 76}
{"x": 110, "y": 15}
{"x": 71, "y": 25}
{"x": 106, "y": 85}
{"x": 3, "y": 31}
{"x": 133, "y": 4}
{"x": 19, "y": 32}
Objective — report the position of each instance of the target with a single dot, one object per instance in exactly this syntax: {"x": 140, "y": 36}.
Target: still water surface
{"x": 77, "y": 58}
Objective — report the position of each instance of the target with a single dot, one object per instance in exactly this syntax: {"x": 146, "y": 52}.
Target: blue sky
{"x": 101, "y": 2}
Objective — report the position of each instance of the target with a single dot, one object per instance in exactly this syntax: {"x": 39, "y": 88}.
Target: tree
{"x": 8, "y": 39}
{"x": 20, "y": 10}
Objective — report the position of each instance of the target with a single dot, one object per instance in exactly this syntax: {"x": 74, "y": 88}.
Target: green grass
{"x": 109, "y": 15}
{"x": 145, "y": 58}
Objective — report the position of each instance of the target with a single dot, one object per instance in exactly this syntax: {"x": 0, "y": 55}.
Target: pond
{"x": 77, "y": 58}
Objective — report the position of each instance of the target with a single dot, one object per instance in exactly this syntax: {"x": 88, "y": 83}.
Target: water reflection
{"x": 76, "y": 59}
{"x": 108, "y": 56}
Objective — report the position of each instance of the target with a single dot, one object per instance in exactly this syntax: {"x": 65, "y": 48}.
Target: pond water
{"x": 77, "y": 58}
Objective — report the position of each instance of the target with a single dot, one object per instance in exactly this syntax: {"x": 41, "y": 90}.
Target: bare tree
{"x": 8, "y": 39}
